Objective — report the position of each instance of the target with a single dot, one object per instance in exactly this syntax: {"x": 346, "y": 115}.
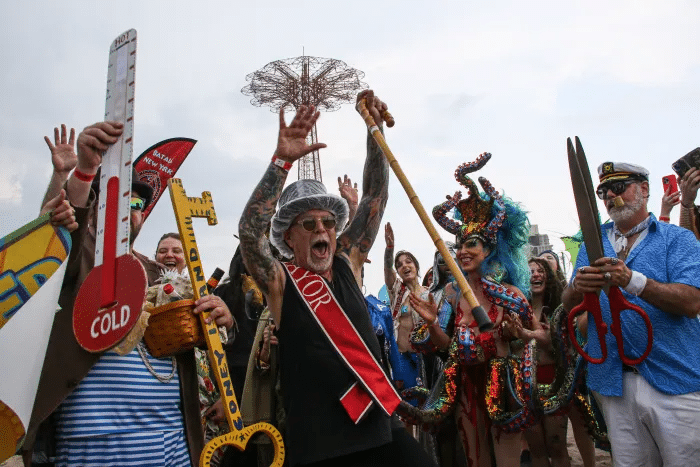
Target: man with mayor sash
{"x": 338, "y": 400}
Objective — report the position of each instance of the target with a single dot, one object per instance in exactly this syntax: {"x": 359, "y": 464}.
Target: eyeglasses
{"x": 617, "y": 188}
{"x": 309, "y": 224}
{"x": 137, "y": 204}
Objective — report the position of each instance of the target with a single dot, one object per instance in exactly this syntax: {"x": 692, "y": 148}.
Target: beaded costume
{"x": 477, "y": 381}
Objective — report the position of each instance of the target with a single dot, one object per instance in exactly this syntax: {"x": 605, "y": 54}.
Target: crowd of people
{"x": 436, "y": 387}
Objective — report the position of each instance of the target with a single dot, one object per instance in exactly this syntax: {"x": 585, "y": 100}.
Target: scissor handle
{"x": 618, "y": 303}
{"x": 590, "y": 304}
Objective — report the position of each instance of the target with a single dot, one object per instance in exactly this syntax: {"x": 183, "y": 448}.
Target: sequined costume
{"x": 480, "y": 380}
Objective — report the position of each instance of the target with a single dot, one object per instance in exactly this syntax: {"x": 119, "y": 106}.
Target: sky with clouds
{"x": 461, "y": 78}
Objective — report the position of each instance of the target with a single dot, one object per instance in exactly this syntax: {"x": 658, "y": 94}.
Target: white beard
{"x": 627, "y": 211}
{"x": 319, "y": 266}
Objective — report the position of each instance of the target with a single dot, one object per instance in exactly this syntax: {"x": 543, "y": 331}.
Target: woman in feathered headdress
{"x": 491, "y": 235}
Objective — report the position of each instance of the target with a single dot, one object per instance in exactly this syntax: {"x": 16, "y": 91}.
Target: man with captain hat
{"x": 651, "y": 409}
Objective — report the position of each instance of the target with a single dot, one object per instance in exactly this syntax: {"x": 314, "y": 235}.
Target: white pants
{"x": 648, "y": 428}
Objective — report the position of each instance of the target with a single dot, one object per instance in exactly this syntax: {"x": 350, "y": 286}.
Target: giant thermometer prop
{"x": 185, "y": 209}
{"x": 109, "y": 301}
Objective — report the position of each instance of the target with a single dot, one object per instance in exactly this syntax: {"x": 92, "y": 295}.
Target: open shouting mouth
{"x": 320, "y": 248}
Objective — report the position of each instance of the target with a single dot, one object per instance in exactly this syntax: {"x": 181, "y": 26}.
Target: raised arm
{"x": 357, "y": 239}
{"x": 668, "y": 201}
{"x": 254, "y": 224}
{"x": 689, "y": 185}
{"x": 63, "y": 159}
{"x": 389, "y": 273}
{"x": 93, "y": 141}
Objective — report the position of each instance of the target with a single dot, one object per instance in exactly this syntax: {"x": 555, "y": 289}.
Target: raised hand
{"x": 93, "y": 141}
{"x": 291, "y": 143}
{"x": 389, "y": 235}
{"x": 63, "y": 156}
{"x": 689, "y": 185}
{"x": 375, "y": 106}
{"x": 348, "y": 192}
{"x": 668, "y": 201}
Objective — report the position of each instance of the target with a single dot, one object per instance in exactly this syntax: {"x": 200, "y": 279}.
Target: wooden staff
{"x": 480, "y": 315}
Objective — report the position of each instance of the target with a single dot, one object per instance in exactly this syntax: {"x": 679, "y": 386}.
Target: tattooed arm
{"x": 389, "y": 273}
{"x": 357, "y": 239}
{"x": 255, "y": 221}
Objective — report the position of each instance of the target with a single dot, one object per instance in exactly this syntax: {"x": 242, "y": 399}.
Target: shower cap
{"x": 298, "y": 198}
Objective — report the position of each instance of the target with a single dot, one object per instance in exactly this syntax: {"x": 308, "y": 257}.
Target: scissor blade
{"x": 586, "y": 174}
{"x": 585, "y": 200}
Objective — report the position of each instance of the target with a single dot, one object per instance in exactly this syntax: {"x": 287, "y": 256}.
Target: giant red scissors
{"x": 590, "y": 226}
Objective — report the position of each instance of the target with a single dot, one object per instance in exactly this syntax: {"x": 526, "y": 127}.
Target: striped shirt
{"x": 120, "y": 413}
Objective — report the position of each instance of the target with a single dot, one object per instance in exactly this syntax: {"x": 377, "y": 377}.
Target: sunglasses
{"x": 617, "y": 188}
{"x": 309, "y": 224}
{"x": 137, "y": 204}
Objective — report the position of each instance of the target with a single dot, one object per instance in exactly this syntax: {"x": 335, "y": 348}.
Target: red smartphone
{"x": 670, "y": 181}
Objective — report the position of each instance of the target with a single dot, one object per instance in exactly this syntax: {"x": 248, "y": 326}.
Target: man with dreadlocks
{"x": 491, "y": 232}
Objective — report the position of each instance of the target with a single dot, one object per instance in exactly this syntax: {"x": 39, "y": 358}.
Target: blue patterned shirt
{"x": 667, "y": 254}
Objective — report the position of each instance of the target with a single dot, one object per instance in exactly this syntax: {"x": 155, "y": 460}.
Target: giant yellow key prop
{"x": 185, "y": 209}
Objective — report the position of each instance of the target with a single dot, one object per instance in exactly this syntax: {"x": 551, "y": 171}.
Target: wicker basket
{"x": 173, "y": 329}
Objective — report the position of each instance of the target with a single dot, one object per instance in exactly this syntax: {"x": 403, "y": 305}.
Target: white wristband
{"x": 637, "y": 283}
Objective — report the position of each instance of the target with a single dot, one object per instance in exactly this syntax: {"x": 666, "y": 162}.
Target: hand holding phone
{"x": 682, "y": 165}
{"x": 670, "y": 181}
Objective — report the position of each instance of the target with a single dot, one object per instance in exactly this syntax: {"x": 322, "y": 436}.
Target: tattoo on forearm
{"x": 375, "y": 191}
{"x": 254, "y": 224}
{"x": 388, "y": 258}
